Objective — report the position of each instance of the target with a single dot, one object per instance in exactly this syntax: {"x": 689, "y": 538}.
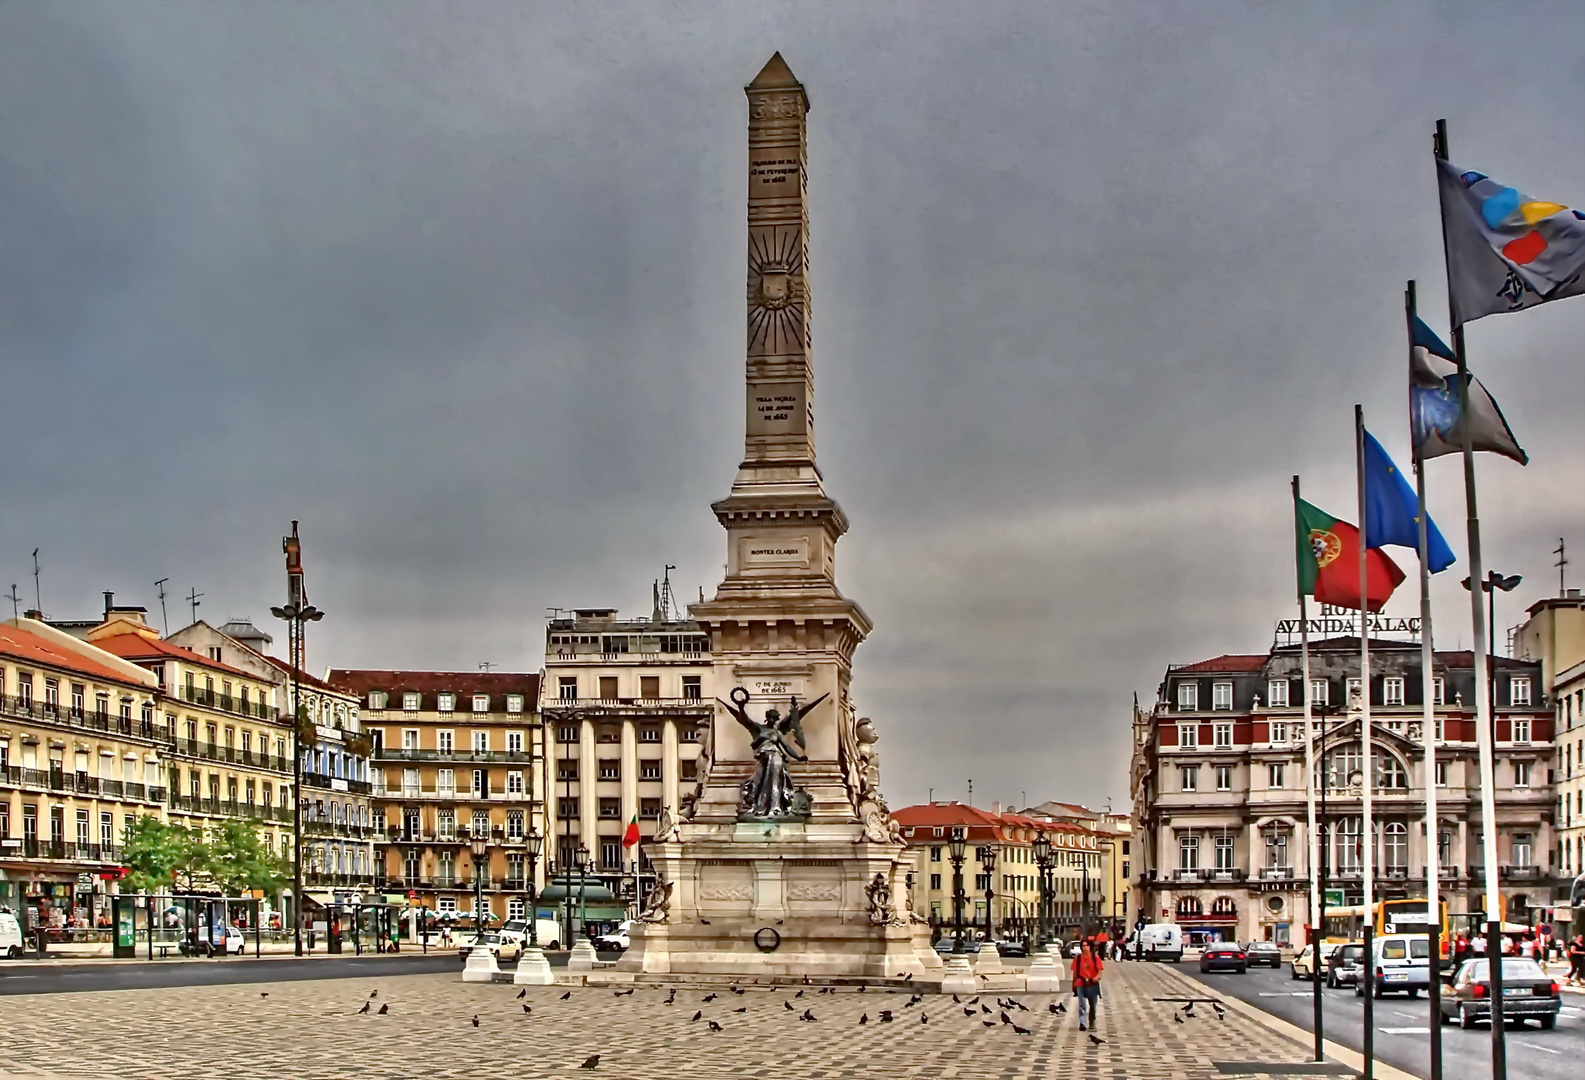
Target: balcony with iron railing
{"x": 459, "y": 756}
{"x": 213, "y": 699}
{"x": 336, "y": 783}
{"x": 34, "y": 848}
{"x": 555, "y": 710}
{"x": 79, "y": 783}
{"x": 59, "y": 715}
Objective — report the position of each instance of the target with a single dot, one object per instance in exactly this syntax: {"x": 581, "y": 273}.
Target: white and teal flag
{"x": 1505, "y": 250}
{"x": 1436, "y": 419}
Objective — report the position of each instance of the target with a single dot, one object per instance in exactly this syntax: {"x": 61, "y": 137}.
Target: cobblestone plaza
{"x": 313, "y": 1029}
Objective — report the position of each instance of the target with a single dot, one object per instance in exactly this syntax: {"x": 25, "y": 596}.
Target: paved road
{"x": 20, "y": 977}
{"x": 1403, "y": 1028}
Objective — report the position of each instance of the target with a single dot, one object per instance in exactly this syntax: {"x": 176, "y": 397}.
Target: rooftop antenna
{"x": 192, "y": 598}
{"x": 15, "y": 600}
{"x": 166, "y": 619}
{"x": 669, "y": 609}
{"x": 38, "y": 600}
{"x": 486, "y": 666}
{"x": 1562, "y": 561}
{"x": 971, "y": 792}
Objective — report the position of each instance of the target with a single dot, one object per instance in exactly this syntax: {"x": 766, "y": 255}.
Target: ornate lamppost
{"x": 534, "y": 840}
{"x": 479, "y": 845}
{"x": 956, "y": 842}
{"x": 987, "y": 856}
{"x": 1044, "y": 861}
{"x": 296, "y": 612}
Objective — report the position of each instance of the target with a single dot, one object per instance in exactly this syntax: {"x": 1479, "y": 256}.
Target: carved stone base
{"x": 1043, "y": 976}
{"x": 481, "y": 966}
{"x": 532, "y": 968}
{"x": 767, "y": 898}
{"x": 988, "y": 961}
{"x": 957, "y": 977}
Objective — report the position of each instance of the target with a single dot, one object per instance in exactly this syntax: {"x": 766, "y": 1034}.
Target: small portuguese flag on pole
{"x": 630, "y": 837}
{"x": 1328, "y": 553}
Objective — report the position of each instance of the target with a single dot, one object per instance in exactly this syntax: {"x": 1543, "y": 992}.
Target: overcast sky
{"x": 460, "y": 286}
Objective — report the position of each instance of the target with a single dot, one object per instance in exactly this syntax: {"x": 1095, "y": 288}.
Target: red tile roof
{"x": 937, "y": 814}
{"x": 307, "y": 680}
{"x": 136, "y": 647}
{"x": 29, "y": 648}
{"x": 429, "y": 683}
{"x": 1229, "y": 662}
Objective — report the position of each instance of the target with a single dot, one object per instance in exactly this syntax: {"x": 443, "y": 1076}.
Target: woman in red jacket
{"x": 1087, "y": 968}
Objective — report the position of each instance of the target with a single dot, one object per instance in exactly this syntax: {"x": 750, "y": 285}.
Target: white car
{"x": 11, "y": 945}
{"x": 236, "y": 944}
{"x": 617, "y": 940}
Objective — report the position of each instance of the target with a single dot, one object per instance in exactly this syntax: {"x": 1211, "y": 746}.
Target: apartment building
{"x": 1078, "y": 875}
{"x": 229, "y": 746}
{"x": 1553, "y": 634}
{"x": 626, "y": 703}
{"x": 1114, "y": 832}
{"x": 81, "y": 756}
{"x": 456, "y": 755}
{"x": 1220, "y": 786}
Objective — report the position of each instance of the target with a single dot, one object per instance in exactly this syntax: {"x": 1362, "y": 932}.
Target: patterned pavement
{"x": 312, "y": 1030}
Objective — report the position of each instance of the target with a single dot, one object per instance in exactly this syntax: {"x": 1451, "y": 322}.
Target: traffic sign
{"x": 1334, "y": 898}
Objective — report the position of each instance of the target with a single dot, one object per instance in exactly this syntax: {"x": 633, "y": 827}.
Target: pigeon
{"x": 788, "y": 1006}
{"x": 908, "y": 977}
{"x": 886, "y": 1016}
{"x": 1096, "y": 1040}
{"x": 988, "y": 1023}
{"x": 968, "y": 1012}
{"x": 1053, "y": 1008}
{"x": 699, "y": 1015}
{"x": 590, "y": 1062}
{"x": 365, "y": 1008}
{"x": 956, "y": 1000}
{"x": 808, "y": 1015}
{"x": 670, "y": 997}
{"x": 1221, "y": 1013}
{"x": 1019, "y": 1004}
{"x": 806, "y": 980}
{"x": 924, "y": 1018}
{"x": 475, "y": 1019}
{"x": 1005, "y": 1018}
{"x": 861, "y": 989}
{"x": 1060, "y": 1007}
{"x": 916, "y": 999}
{"x": 564, "y": 997}
{"x": 986, "y": 978}
{"x": 715, "y": 1026}
{"x": 742, "y": 1010}
{"x": 1188, "y": 1010}
{"x": 1020, "y": 1030}
{"x": 523, "y": 993}
{"x": 986, "y": 1009}
{"x": 799, "y": 994}
{"x": 526, "y": 1009}
{"x": 864, "y": 1018}
{"x": 373, "y": 994}
{"x": 975, "y": 1000}
{"x": 264, "y": 993}
{"x": 708, "y": 998}
{"x": 1176, "y": 1019}
{"x": 738, "y": 990}
{"x": 384, "y": 1009}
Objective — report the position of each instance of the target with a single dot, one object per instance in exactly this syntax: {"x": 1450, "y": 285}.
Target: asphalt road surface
{"x": 1403, "y": 1027}
{"x": 21, "y": 977}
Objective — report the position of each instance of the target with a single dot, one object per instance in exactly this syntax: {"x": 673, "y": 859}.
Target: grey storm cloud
{"x": 460, "y": 287}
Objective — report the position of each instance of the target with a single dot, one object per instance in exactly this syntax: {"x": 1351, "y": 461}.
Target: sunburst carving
{"x": 775, "y": 290}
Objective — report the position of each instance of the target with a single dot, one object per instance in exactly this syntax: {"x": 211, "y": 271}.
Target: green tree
{"x": 238, "y": 861}
{"x": 162, "y": 855}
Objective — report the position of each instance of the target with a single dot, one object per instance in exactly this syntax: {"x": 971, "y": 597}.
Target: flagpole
{"x": 1483, "y": 726}
{"x": 1433, "y": 833}
{"x": 1313, "y": 842}
{"x": 1367, "y": 822}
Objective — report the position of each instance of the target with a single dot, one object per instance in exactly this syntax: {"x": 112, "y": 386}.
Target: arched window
{"x": 1348, "y": 852}
{"x": 1390, "y": 773}
{"x": 1189, "y": 907}
{"x": 1224, "y": 906}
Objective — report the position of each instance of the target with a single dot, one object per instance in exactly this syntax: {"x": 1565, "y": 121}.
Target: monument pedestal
{"x": 481, "y": 965}
{"x": 1043, "y": 975}
{"x": 532, "y": 968}
{"x": 988, "y": 961}
{"x": 582, "y": 956}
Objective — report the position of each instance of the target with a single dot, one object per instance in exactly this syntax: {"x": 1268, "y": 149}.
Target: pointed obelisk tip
{"x": 775, "y": 75}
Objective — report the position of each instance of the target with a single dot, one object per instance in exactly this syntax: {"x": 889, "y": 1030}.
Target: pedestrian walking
{"x": 1576, "y": 961}
{"x": 1087, "y": 968}
{"x": 396, "y": 936}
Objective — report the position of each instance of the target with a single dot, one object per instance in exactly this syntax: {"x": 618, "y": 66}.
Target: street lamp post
{"x": 296, "y": 612}
{"x": 1043, "y": 863}
{"x": 534, "y": 841}
{"x": 955, "y": 845}
{"x": 479, "y": 845}
{"x": 988, "y": 864}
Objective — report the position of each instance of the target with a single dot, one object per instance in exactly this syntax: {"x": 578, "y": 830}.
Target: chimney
{"x": 110, "y": 603}
{"x": 996, "y": 806}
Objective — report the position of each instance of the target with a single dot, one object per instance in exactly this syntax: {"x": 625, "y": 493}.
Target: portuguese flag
{"x": 1328, "y": 553}
{"x": 630, "y": 837}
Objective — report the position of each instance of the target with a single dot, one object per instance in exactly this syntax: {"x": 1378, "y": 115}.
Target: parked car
{"x": 236, "y": 944}
{"x": 1527, "y": 992}
{"x": 1401, "y": 964}
{"x": 504, "y": 949}
{"x": 1344, "y": 965}
{"x": 10, "y": 936}
{"x": 1224, "y": 956}
{"x": 944, "y": 944}
{"x": 1304, "y": 961}
{"x": 1263, "y": 952}
{"x": 1011, "y": 947}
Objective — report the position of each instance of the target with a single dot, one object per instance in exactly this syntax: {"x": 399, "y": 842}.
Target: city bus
{"x": 1406, "y": 916}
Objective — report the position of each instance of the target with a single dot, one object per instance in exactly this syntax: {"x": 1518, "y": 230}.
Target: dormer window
{"x": 1519, "y": 690}
{"x": 1221, "y": 695}
{"x": 514, "y": 703}
{"x": 410, "y": 702}
{"x": 377, "y": 699}
{"x": 1188, "y": 696}
{"x": 1277, "y": 693}
{"x": 481, "y": 702}
{"x": 446, "y": 702}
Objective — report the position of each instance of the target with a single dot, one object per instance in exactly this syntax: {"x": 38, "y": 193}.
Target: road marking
{"x": 1405, "y": 1031}
{"x": 1410, "y": 1015}
{"x": 1537, "y": 1046}
{"x": 1286, "y": 993}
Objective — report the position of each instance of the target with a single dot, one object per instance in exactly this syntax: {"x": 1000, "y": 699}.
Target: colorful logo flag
{"x": 1434, "y": 406}
{"x": 630, "y": 837}
{"x": 1392, "y": 510}
{"x": 1328, "y": 562}
{"x": 1505, "y": 250}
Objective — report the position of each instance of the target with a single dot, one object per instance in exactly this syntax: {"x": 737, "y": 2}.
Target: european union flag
{"x": 1392, "y": 510}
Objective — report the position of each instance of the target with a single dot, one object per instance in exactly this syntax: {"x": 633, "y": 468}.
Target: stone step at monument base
{"x": 844, "y": 984}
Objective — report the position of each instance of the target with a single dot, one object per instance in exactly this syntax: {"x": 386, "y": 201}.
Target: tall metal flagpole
{"x": 1483, "y": 727}
{"x": 1367, "y": 825}
{"x": 1433, "y": 854}
{"x": 1312, "y": 844}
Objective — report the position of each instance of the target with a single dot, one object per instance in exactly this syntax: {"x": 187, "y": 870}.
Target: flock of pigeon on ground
{"x": 1001, "y": 1016}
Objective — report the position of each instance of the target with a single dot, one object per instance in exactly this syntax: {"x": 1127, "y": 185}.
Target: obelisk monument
{"x": 783, "y": 860}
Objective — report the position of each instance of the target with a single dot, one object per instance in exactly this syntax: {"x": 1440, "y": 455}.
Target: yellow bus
{"x": 1407, "y": 916}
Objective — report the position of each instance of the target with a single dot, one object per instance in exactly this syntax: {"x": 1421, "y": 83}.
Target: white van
{"x": 1161, "y": 941}
{"x": 547, "y": 930}
{"x": 11, "y": 945}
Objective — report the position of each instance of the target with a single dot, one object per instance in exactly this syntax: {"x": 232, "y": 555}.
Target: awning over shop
{"x": 323, "y": 899}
